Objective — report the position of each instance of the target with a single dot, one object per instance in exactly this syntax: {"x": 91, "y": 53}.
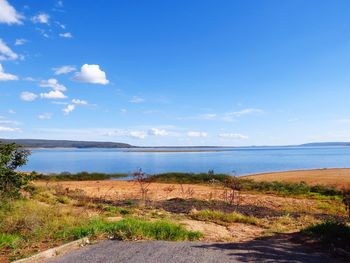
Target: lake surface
{"x": 241, "y": 160}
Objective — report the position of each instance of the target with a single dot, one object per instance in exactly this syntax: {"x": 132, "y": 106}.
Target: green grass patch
{"x": 224, "y": 218}
{"x": 115, "y": 210}
{"x": 81, "y": 176}
{"x": 136, "y": 229}
{"x": 330, "y": 232}
{"x": 9, "y": 240}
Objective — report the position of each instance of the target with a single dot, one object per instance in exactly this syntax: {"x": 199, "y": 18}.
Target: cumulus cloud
{"x": 53, "y": 84}
{"x": 66, "y": 35}
{"x": 137, "y": 99}
{"x": 6, "y": 53}
{"x": 8, "y": 14}
{"x": 41, "y": 18}
{"x": 79, "y": 102}
{"x": 6, "y": 76}
{"x": 91, "y": 74}
{"x": 53, "y": 94}
{"x": 197, "y": 134}
{"x": 28, "y": 96}
{"x": 20, "y": 41}
{"x": 157, "y": 132}
{"x": 68, "y": 109}
{"x": 45, "y": 116}
{"x": 233, "y": 136}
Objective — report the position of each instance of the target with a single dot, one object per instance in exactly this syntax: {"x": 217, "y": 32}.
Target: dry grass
{"x": 338, "y": 177}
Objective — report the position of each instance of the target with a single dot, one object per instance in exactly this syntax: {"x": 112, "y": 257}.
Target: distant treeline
{"x": 38, "y": 143}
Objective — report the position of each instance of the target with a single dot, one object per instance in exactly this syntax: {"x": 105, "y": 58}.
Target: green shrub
{"x": 330, "y": 232}
{"x": 188, "y": 178}
{"x": 224, "y": 218}
{"x": 81, "y": 176}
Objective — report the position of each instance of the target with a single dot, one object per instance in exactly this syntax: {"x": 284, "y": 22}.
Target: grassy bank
{"x": 275, "y": 187}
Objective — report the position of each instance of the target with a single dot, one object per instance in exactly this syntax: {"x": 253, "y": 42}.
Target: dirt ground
{"x": 338, "y": 177}
{"x": 124, "y": 190}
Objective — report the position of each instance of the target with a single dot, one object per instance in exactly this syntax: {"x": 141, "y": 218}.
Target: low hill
{"x": 316, "y": 144}
{"x": 38, "y": 143}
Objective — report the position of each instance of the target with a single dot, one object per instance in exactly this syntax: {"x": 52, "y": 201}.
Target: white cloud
{"x": 197, "y": 134}
{"x": 28, "y": 96}
{"x": 6, "y": 76}
{"x": 53, "y": 84}
{"x": 45, "y": 116}
{"x": 68, "y": 109}
{"x": 158, "y": 132}
{"x": 59, "y": 3}
{"x": 41, "y": 18}
{"x": 233, "y": 136}
{"x": 20, "y": 41}
{"x": 53, "y": 94}
{"x": 6, "y": 53}
{"x": 138, "y": 134}
{"x": 79, "y": 102}
{"x": 59, "y": 103}
{"x": 64, "y": 69}
{"x": 137, "y": 99}
{"x": 29, "y": 79}
{"x": 8, "y": 14}
{"x": 8, "y": 129}
{"x": 246, "y": 112}
{"x": 91, "y": 74}
{"x": 66, "y": 35}
{"x": 11, "y": 111}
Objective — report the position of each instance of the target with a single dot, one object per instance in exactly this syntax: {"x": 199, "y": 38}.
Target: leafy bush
{"x": 223, "y": 218}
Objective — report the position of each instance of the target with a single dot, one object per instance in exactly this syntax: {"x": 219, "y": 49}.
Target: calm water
{"x": 241, "y": 160}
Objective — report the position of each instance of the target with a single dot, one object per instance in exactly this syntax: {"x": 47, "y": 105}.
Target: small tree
{"x": 143, "y": 180}
{"x": 232, "y": 190}
{"x": 11, "y": 181}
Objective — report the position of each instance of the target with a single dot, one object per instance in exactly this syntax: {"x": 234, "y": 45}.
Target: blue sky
{"x": 176, "y": 72}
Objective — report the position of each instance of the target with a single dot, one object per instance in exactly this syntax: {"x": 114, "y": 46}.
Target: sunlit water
{"x": 240, "y": 160}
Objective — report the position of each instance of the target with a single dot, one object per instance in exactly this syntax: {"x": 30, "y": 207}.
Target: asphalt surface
{"x": 274, "y": 250}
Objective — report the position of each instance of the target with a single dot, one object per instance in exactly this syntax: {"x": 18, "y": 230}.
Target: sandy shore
{"x": 338, "y": 177}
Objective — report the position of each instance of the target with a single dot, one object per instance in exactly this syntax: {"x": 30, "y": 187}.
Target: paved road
{"x": 274, "y": 250}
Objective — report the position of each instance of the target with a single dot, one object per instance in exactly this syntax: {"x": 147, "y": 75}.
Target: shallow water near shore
{"x": 241, "y": 161}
